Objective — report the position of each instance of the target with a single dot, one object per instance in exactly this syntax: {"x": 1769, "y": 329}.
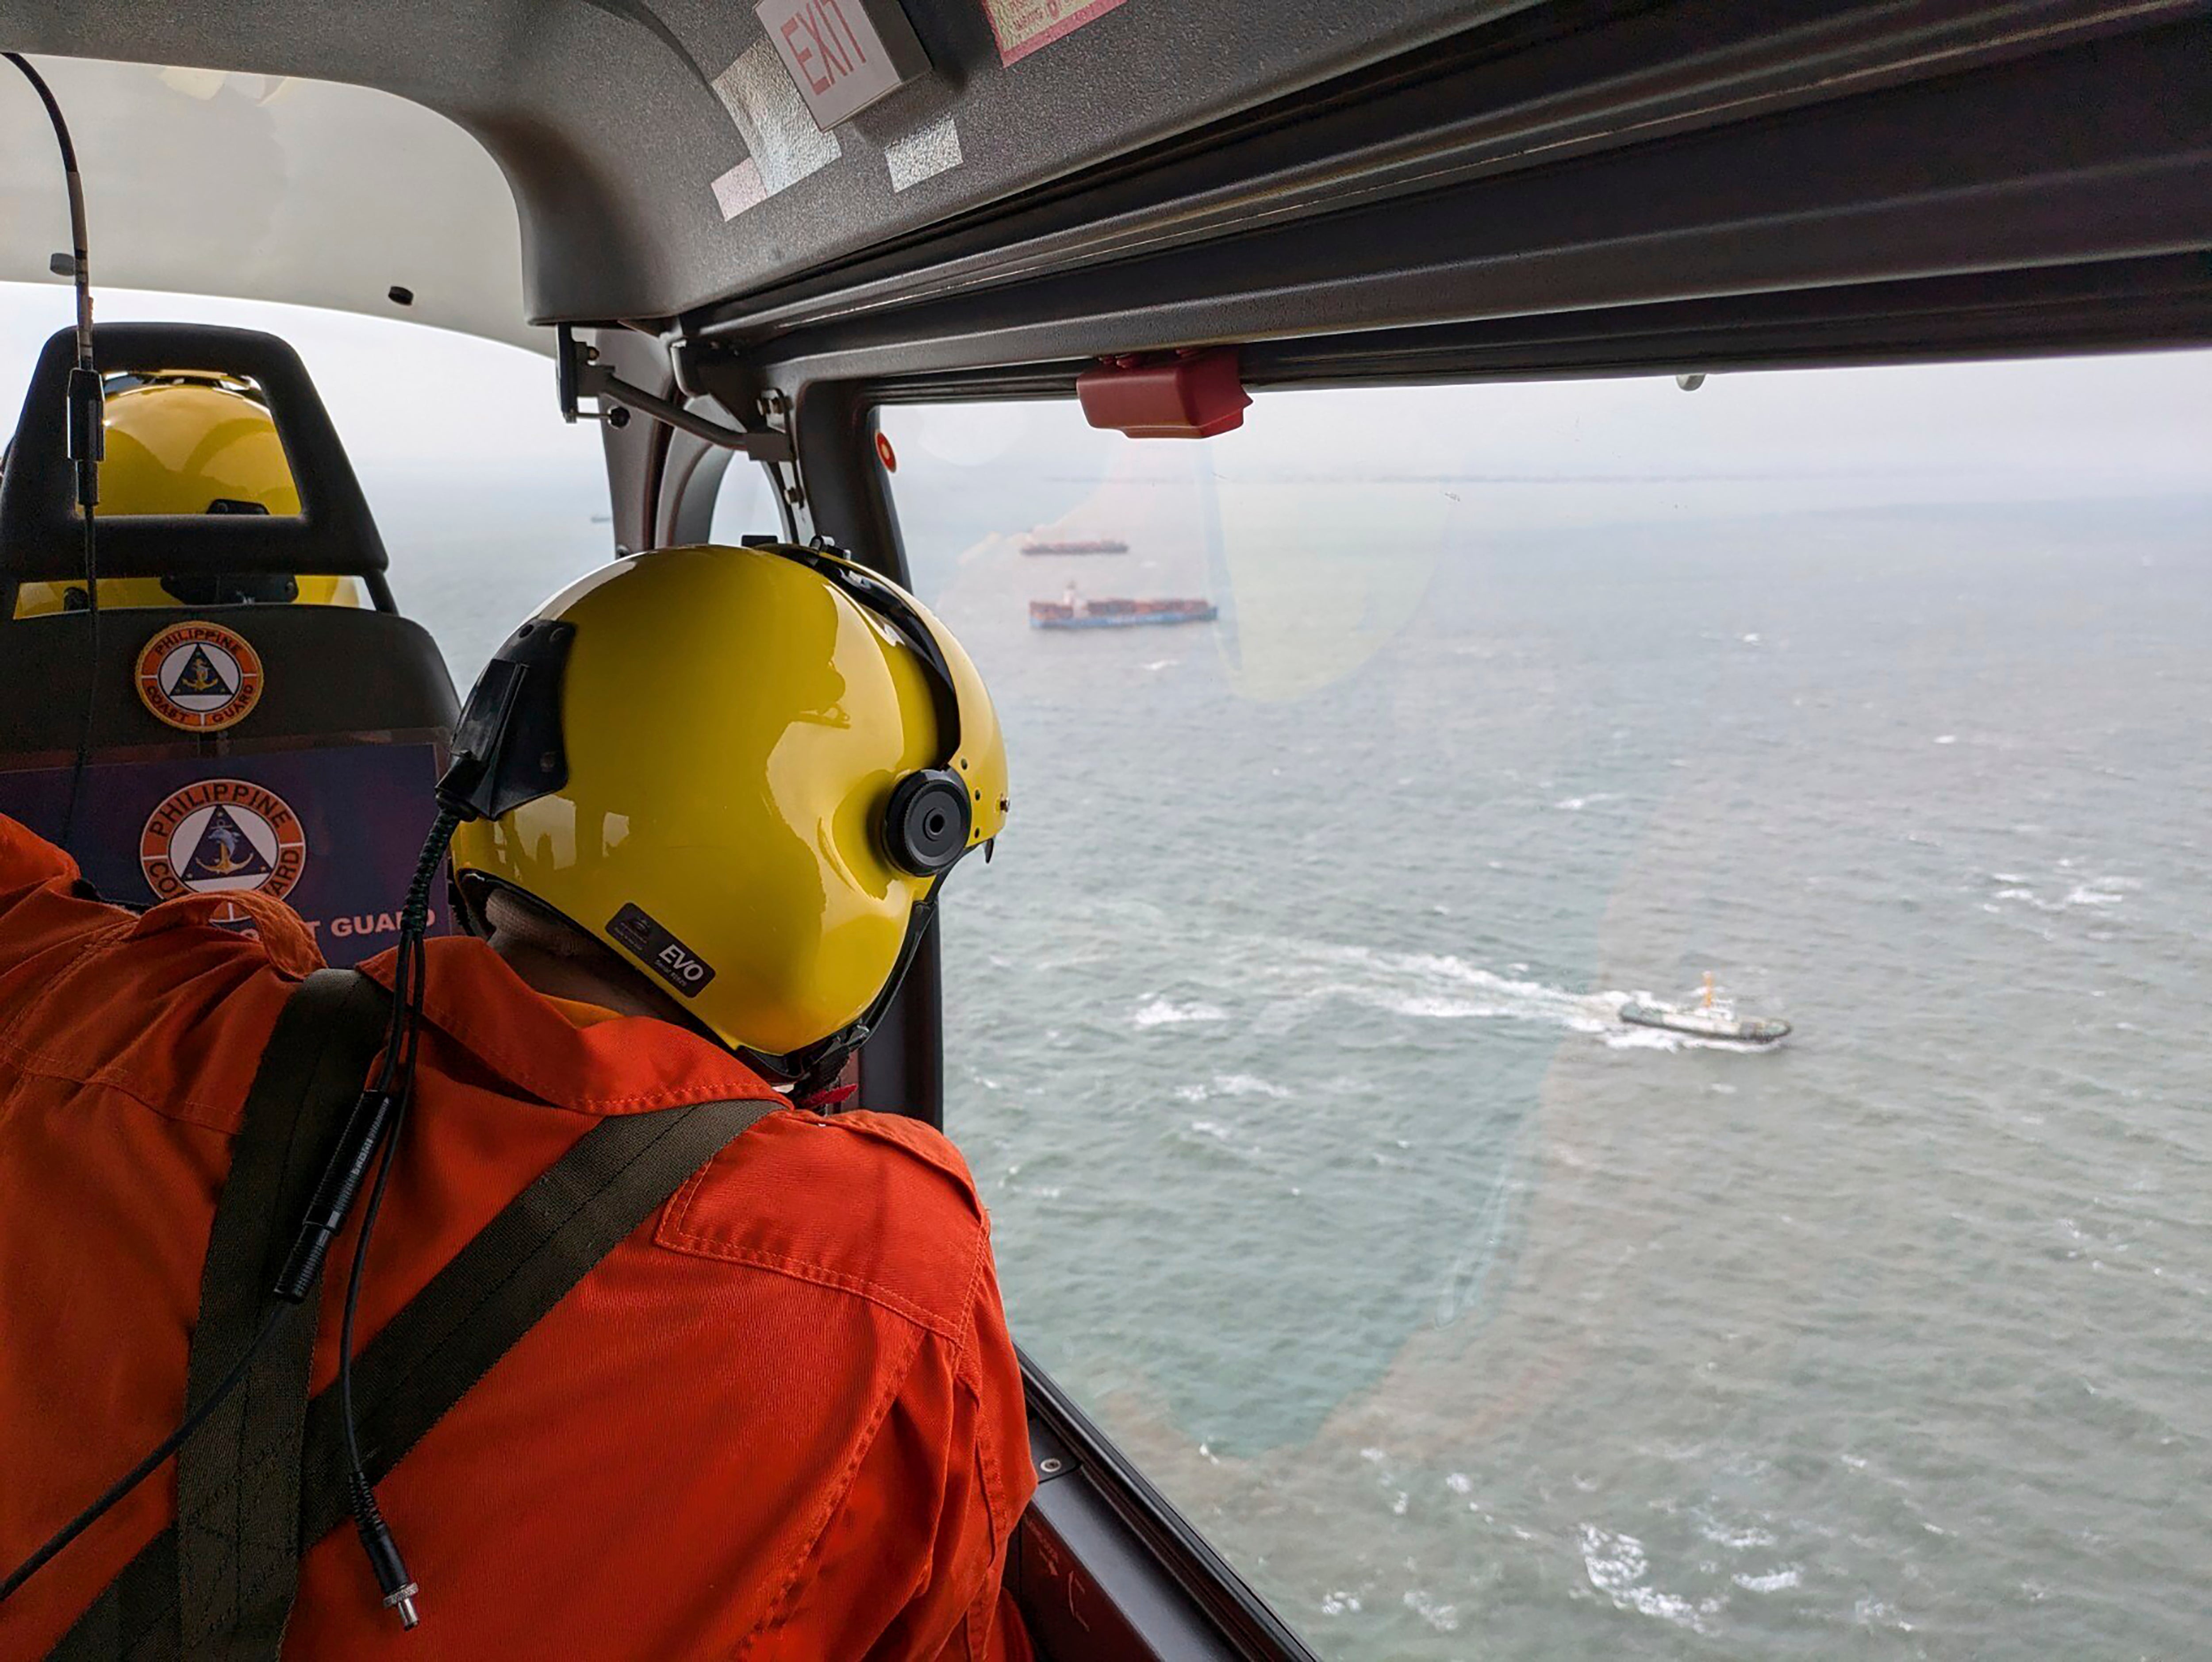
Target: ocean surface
{"x": 1283, "y": 1033}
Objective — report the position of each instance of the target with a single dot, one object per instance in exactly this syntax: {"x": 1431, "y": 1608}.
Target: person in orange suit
{"x": 781, "y": 1419}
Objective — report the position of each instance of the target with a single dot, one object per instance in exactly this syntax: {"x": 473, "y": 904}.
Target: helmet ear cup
{"x": 927, "y": 821}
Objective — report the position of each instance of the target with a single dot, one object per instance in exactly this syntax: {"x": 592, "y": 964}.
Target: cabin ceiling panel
{"x": 1251, "y": 171}
{"x": 657, "y": 163}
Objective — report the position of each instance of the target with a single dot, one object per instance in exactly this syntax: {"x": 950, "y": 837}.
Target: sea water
{"x": 1283, "y": 1038}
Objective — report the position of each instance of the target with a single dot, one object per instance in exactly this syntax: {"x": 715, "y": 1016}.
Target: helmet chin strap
{"x": 813, "y": 1070}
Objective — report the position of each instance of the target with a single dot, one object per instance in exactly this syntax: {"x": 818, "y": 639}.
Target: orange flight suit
{"x": 781, "y": 1420}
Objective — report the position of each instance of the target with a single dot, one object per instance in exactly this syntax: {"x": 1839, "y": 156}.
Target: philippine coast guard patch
{"x": 219, "y": 836}
{"x": 201, "y": 677}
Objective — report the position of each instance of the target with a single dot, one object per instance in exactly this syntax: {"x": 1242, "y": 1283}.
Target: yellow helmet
{"x": 181, "y": 441}
{"x": 747, "y": 771}
{"x": 187, "y": 442}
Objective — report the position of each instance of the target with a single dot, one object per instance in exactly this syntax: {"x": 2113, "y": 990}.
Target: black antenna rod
{"x": 80, "y": 256}
{"x": 87, "y": 426}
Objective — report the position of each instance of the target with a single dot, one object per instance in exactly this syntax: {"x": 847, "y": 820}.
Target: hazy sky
{"x": 402, "y": 395}
{"x": 2045, "y": 426}
{"x": 489, "y": 501}
{"x": 411, "y": 398}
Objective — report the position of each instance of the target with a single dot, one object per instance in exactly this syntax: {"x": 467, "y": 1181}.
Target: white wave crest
{"x": 1788, "y": 1576}
{"x": 2097, "y": 892}
{"x": 1735, "y": 1539}
{"x": 1160, "y": 1012}
{"x": 1617, "y": 1568}
{"x": 1244, "y": 1085}
{"x": 1444, "y": 1618}
{"x": 1228, "y": 1084}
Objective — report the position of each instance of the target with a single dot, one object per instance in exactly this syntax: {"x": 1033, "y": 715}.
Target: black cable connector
{"x": 335, "y": 1195}
{"x": 87, "y": 431}
{"x": 399, "y": 1588}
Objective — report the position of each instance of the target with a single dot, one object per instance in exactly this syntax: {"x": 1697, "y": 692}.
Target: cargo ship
{"x": 1087, "y": 546}
{"x": 1072, "y": 613}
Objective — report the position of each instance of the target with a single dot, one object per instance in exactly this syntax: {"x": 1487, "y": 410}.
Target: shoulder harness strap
{"x": 220, "y": 1577}
{"x": 237, "y": 1479}
{"x": 448, "y": 1337}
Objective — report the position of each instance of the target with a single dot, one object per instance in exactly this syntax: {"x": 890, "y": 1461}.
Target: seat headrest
{"x": 41, "y": 537}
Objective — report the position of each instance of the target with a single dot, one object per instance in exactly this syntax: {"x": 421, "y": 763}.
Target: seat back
{"x": 286, "y": 748}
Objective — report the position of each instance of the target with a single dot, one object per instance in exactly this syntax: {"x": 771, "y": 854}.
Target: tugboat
{"x": 1072, "y": 613}
{"x": 1708, "y": 1020}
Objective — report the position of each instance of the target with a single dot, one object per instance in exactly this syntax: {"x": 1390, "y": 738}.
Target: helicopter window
{"x": 1288, "y": 1032}
{"x": 745, "y": 503}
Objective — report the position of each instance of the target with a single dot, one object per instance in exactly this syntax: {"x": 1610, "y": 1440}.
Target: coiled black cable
{"x": 409, "y": 976}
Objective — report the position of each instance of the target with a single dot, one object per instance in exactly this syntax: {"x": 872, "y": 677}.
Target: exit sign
{"x": 842, "y": 55}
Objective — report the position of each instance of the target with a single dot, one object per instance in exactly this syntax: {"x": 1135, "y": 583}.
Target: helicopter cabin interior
{"x": 746, "y": 234}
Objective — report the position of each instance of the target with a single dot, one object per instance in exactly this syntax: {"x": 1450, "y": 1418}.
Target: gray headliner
{"x": 601, "y": 115}
{"x": 1250, "y": 171}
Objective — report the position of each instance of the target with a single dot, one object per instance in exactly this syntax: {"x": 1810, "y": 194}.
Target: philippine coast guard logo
{"x": 222, "y": 836}
{"x": 199, "y": 676}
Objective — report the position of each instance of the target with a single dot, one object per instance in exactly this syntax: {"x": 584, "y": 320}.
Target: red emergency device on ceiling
{"x": 1188, "y": 395}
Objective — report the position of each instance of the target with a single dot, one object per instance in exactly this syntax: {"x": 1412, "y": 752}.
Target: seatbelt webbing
{"x": 238, "y": 1478}
{"x": 517, "y": 1267}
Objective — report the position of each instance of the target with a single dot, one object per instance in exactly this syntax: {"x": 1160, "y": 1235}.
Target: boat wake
{"x": 1440, "y": 987}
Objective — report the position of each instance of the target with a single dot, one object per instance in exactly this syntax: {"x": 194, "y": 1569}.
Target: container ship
{"x": 1088, "y": 545}
{"x": 1072, "y": 613}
